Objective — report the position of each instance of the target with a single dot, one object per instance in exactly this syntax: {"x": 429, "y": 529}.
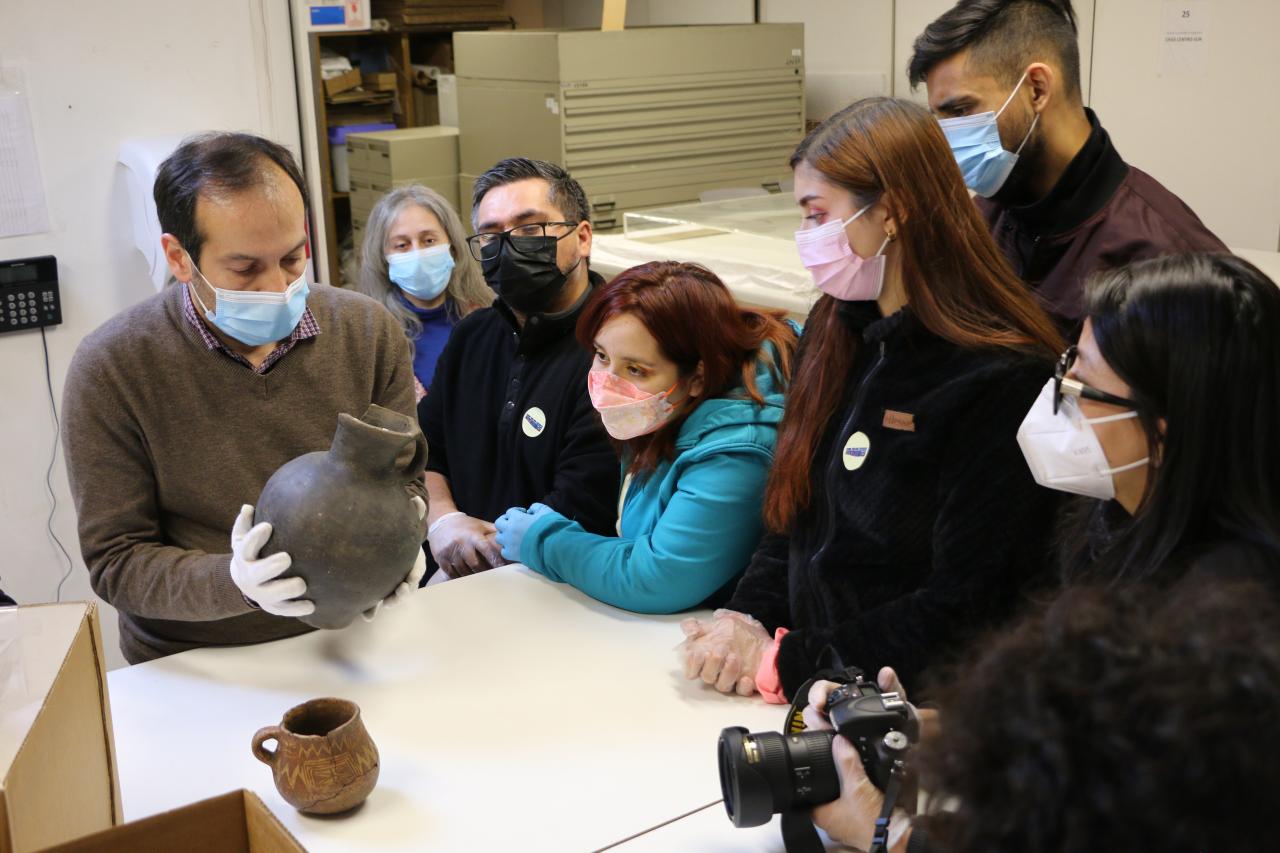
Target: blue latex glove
{"x": 513, "y": 525}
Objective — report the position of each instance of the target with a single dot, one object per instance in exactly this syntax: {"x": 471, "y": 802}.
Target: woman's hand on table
{"x": 512, "y": 526}
{"x": 725, "y": 650}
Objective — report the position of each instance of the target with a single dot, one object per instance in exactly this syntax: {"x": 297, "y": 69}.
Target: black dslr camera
{"x": 766, "y": 773}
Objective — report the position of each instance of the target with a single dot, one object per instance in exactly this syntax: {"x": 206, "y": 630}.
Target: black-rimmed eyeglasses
{"x": 486, "y": 246}
{"x": 1064, "y": 386}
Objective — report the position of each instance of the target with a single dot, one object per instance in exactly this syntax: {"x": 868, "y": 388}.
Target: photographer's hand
{"x": 928, "y": 717}
{"x": 725, "y": 652}
{"x": 851, "y": 818}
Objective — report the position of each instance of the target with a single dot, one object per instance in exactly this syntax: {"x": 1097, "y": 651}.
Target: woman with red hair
{"x": 690, "y": 386}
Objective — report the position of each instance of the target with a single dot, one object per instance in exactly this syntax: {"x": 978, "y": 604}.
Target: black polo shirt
{"x": 509, "y": 422}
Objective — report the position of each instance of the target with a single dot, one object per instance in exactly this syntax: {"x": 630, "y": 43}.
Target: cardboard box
{"x": 58, "y": 777}
{"x": 342, "y": 82}
{"x": 237, "y": 822}
{"x": 408, "y": 153}
{"x": 381, "y": 81}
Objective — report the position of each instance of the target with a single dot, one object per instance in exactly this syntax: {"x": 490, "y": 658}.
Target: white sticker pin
{"x": 855, "y": 451}
{"x": 534, "y": 422}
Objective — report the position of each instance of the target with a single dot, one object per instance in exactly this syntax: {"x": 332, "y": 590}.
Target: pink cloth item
{"x": 767, "y": 681}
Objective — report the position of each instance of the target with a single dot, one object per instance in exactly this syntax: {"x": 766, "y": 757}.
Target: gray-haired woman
{"x": 414, "y": 261}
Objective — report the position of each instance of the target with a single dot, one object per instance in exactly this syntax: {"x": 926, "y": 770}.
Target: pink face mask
{"x": 626, "y": 410}
{"x": 835, "y": 267}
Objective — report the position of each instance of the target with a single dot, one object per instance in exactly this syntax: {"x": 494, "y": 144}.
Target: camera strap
{"x": 880, "y": 839}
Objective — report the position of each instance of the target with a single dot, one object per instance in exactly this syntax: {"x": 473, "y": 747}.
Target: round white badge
{"x": 855, "y": 451}
{"x": 534, "y": 422}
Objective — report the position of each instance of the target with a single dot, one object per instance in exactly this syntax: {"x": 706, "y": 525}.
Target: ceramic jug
{"x": 344, "y": 516}
{"x": 324, "y": 761}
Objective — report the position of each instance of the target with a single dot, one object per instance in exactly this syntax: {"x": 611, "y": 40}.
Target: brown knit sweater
{"x": 166, "y": 439}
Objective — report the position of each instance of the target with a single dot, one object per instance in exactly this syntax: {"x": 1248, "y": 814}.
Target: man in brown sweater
{"x": 179, "y": 409}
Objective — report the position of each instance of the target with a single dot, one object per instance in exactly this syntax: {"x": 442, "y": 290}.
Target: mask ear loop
{"x": 1009, "y": 99}
{"x": 192, "y": 290}
{"x": 856, "y": 215}
{"x": 1005, "y": 106}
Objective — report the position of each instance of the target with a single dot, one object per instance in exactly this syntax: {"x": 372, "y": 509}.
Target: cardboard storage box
{"x": 237, "y": 822}
{"x": 343, "y": 82}
{"x": 393, "y": 156}
{"x": 381, "y": 81}
{"x": 366, "y": 193}
{"x": 58, "y": 777}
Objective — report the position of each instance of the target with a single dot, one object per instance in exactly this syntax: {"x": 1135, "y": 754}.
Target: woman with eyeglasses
{"x": 1165, "y": 416}
{"x": 1167, "y": 413}
{"x": 902, "y": 516}
{"x": 414, "y": 263}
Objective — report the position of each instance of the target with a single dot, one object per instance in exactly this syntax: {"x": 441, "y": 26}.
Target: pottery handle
{"x": 264, "y": 734}
{"x": 413, "y": 471}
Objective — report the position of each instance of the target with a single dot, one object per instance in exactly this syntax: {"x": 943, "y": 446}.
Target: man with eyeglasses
{"x": 508, "y": 419}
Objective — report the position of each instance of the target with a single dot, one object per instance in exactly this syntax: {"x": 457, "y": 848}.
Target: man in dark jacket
{"x": 508, "y": 419}
{"x": 1069, "y": 206}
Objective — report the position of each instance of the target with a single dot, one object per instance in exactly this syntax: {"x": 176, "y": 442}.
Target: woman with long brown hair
{"x": 690, "y": 386}
{"x": 902, "y": 516}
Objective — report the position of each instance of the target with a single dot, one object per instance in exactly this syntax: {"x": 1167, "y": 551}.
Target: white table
{"x": 510, "y": 712}
{"x": 709, "y": 830}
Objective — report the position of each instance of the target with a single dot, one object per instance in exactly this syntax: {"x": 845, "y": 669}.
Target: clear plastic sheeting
{"x": 748, "y": 242}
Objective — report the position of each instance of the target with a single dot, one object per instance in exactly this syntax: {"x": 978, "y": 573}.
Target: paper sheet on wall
{"x": 22, "y": 204}
{"x": 1184, "y": 50}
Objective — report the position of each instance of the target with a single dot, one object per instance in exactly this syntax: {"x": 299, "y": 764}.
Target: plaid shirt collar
{"x": 307, "y": 328}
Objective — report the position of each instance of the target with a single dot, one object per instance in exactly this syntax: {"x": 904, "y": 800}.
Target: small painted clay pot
{"x": 324, "y": 761}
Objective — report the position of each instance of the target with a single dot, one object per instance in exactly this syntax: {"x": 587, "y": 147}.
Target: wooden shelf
{"x": 397, "y": 42}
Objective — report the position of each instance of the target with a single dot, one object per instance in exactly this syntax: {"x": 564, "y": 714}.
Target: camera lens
{"x": 764, "y": 773}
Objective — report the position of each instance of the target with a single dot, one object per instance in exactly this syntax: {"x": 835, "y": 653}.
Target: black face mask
{"x": 525, "y": 273}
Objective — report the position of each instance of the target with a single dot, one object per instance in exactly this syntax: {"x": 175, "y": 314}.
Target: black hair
{"x": 1114, "y": 720}
{"x": 215, "y": 163}
{"x": 1197, "y": 340}
{"x": 565, "y": 193}
{"x": 1005, "y": 36}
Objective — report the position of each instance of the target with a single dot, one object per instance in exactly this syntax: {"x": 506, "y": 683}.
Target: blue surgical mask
{"x": 975, "y": 142}
{"x": 423, "y": 273}
{"x": 255, "y": 318}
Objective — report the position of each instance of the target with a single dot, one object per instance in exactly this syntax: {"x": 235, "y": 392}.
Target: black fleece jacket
{"x": 509, "y": 423}
{"x": 898, "y": 560}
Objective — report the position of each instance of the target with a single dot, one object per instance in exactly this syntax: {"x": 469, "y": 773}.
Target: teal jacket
{"x": 689, "y": 528}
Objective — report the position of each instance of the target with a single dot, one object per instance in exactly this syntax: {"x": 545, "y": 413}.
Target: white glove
{"x": 463, "y": 545}
{"x": 257, "y": 578}
{"x": 410, "y": 583}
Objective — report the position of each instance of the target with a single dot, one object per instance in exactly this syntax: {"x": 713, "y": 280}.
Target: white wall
{"x": 848, "y": 49}
{"x": 97, "y": 73}
{"x": 586, "y": 14}
{"x": 912, "y": 16}
{"x": 1210, "y": 137}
